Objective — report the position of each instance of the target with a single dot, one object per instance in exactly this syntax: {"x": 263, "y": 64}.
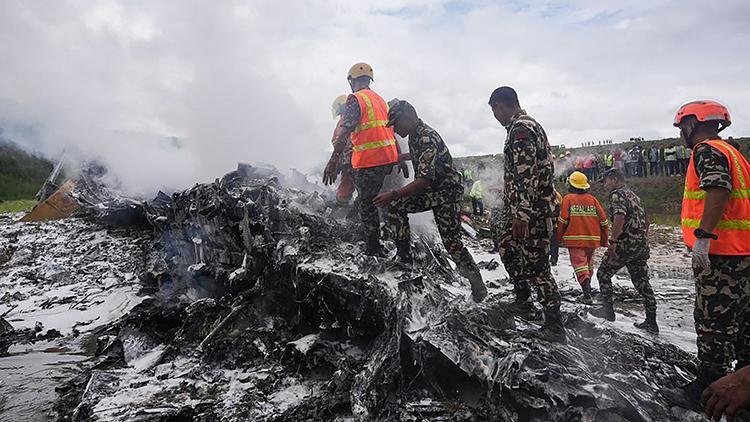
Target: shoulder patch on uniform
{"x": 521, "y": 134}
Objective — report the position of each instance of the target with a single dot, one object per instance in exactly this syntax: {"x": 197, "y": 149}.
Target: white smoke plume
{"x": 253, "y": 81}
{"x": 150, "y": 96}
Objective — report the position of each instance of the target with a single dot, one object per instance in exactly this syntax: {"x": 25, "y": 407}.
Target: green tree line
{"x": 21, "y": 173}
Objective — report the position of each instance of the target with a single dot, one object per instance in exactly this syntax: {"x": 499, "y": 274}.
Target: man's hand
{"x": 329, "y": 174}
{"x": 700, "y": 253}
{"x": 404, "y": 169}
{"x": 519, "y": 229}
{"x": 383, "y": 199}
{"x": 728, "y": 395}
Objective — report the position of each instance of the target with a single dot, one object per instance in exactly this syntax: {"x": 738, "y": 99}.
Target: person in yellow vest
{"x": 476, "y": 198}
{"x": 374, "y": 150}
{"x": 716, "y": 227}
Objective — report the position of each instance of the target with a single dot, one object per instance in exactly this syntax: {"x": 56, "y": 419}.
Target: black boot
{"x": 524, "y": 308}
{"x": 689, "y": 395}
{"x": 403, "y": 252}
{"x": 649, "y": 324}
{"x": 607, "y": 311}
{"x": 553, "y": 329}
{"x": 586, "y": 288}
{"x": 372, "y": 246}
{"x": 478, "y": 289}
{"x": 522, "y": 304}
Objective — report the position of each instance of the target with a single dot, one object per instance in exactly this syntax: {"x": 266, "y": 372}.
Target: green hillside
{"x": 21, "y": 174}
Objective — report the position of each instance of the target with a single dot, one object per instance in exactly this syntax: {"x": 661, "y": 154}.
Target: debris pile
{"x": 60, "y": 282}
{"x": 262, "y": 307}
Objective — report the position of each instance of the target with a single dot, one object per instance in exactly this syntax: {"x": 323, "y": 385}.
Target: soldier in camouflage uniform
{"x": 436, "y": 186}
{"x": 529, "y": 205}
{"x": 495, "y": 227}
{"x": 628, "y": 247}
{"x": 722, "y": 281}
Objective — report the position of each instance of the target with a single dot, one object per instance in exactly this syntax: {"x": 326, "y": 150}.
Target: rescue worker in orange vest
{"x": 583, "y": 227}
{"x": 374, "y": 150}
{"x": 716, "y": 227}
{"x": 346, "y": 186}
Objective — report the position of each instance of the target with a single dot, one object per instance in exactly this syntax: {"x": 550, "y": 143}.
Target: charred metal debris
{"x": 261, "y": 307}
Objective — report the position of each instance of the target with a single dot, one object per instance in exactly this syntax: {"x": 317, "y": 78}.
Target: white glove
{"x": 700, "y": 253}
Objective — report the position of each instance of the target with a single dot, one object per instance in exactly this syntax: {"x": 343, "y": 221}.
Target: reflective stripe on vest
{"x": 581, "y": 269}
{"x": 734, "y": 227}
{"x": 372, "y": 124}
{"x": 581, "y": 237}
{"x": 373, "y": 144}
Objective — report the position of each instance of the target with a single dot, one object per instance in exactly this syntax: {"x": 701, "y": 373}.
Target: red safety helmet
{"x": 704, "y": 110}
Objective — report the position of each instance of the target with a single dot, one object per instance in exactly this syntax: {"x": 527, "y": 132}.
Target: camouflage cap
{"x": 396, "y": 108}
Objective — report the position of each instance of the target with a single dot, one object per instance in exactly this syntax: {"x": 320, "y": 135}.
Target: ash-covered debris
{"x": 99, "y": 199}
{"x": 60, "y": 283}
{"x": 265, "y": 309}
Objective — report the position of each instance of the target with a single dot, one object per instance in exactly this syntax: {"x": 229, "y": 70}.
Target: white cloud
{"x": 253, "y": 81}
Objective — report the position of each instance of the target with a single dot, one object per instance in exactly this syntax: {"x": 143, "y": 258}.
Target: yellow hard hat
{"x": 579, "y": 180}
{"x": 360, "y": 69}
{"x": 338, "y": 104}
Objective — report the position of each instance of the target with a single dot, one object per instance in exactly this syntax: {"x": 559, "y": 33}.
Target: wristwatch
{"x": 702, "y": 234}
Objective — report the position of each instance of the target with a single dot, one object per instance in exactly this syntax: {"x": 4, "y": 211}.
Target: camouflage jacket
{"x": 347, "y": 123}
{"x": 432, "y": 160}
{"x": 625, "y": 202}
{"x": 712, "y": 167}
{"x": 345, "y": 160}
{"x": 350, "y": 116}
{"x": 529, "y": 171}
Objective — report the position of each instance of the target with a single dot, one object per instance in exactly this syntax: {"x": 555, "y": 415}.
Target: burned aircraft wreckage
{"x": 258, "y": 305}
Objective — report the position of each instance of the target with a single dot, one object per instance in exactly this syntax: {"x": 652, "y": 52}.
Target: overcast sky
{"x": 254, "y": 81}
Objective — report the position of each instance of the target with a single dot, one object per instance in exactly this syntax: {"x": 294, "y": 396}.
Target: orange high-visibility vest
{"x": 373, "y": 144}
{"x": 582, "y": 222}
{"x": 734, "y": 227}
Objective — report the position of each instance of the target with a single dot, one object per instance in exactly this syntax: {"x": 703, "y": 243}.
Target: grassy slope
{"x": 21, "y": 174}
{"x": 17, "y": 205}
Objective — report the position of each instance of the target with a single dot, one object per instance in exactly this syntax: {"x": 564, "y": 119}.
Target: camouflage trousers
{"x": 496, "y": 224}
{"x": 527, "y": 263}
{"x": 446, "y": 210}
{"x": 632, "y": 255}
{"x": 368, "y": 182}
{"x": 722, "y": 312}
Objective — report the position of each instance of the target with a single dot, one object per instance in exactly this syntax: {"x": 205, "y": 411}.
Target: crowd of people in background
{"x": 642, "y": 159}
{"x": 595, "y": 143}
